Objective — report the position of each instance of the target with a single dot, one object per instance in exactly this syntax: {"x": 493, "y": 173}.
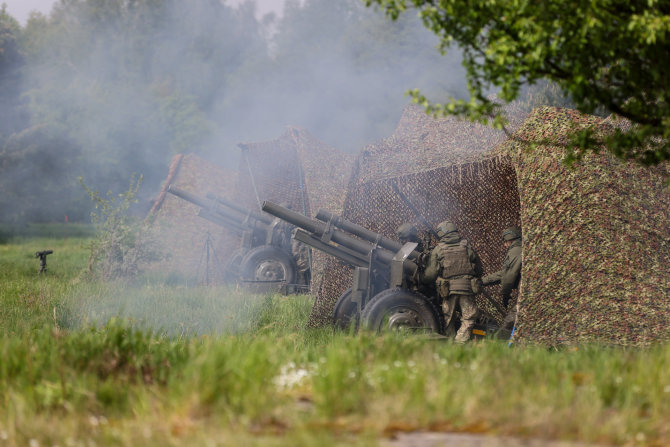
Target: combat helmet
{"x": 407, "y": 232}
{"x": 445, "y": 228}
{"x": 511, "y": 233}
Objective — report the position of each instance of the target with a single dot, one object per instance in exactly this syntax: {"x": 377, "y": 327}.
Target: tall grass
{"x": 142, "y": 363}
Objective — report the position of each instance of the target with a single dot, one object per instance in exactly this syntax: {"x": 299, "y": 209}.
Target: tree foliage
{"x": 108, "y": 87}
{"x": 609, "y": 54}
{"x": 12, "y": 118}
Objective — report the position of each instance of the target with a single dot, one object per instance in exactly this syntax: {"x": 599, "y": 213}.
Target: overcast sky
{"x": 20, "y": 9}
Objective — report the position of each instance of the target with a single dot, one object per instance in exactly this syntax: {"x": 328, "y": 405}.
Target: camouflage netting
{"x": 421, "y": 143}
{"x": 596, "y": 247}
{"x": 295, "y": 169}
{"x": 596, "y": 239}
{"x": 448, "y": 170}
{"x": 182, "y": 232}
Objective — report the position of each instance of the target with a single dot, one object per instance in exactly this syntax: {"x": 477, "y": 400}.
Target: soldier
{"x": 301, "y": 252}
{"x": 510, "y": 275}
{"x": 455, "y": 267}
{"x": 408, "y": 233}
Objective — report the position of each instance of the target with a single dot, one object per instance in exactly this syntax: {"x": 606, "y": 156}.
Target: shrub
{"x": 123, "y": 243}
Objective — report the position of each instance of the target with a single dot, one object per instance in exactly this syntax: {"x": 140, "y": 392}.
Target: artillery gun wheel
{"x": 346, "y": 311}
{"x": 268, "y": 263}
{"x": 231, "y": 269}
{"x": 402, "y": 310}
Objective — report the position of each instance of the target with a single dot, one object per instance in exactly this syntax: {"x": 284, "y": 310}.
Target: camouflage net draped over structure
{"x": 448, "y": 170}
{"x": 479, "y": 197}
{"x": 296, "y": 169}
{"x": 422, "y": 143}
{"x": 182, "y": 232}
{"x": 596, "y": 250}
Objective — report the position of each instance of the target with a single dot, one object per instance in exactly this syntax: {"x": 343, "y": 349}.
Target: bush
{"x": 123, "y": 243}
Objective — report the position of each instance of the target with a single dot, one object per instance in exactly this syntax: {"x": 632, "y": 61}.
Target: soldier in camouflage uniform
{"x": 408, "y": 233}
{"x": 455, "y": 266}
{"x": 301, "y": 252}
{"x": 510, "y": 275}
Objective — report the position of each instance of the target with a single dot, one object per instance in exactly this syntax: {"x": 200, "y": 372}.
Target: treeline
{"x": 103, "y": 89}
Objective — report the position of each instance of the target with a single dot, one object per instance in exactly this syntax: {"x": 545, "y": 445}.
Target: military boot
{"x": 465, "y": 331}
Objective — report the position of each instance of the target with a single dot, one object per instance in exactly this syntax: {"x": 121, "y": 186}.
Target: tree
{"x": 12, "y": 117}
{"x": 129, "y": 83}
{"x": 609, "y": 54}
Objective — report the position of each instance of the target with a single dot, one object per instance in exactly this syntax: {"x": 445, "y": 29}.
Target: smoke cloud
{"x": 114, "y": 88}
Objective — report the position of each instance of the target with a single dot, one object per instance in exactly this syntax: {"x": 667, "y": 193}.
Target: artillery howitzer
{"x": 386, "y": 292}
{"x": 264, "y": 258}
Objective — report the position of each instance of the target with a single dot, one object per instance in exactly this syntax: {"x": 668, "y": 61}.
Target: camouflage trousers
{"x": 301, "y": 255}
{"x": 469, "y": 313}
{"x": 510, "y": 318}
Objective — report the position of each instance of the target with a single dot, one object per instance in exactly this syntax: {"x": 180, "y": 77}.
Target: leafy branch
{"x": 123, "y": 243}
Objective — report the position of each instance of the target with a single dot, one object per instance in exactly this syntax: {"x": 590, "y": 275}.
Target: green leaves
{"x": 605, "y": 55}
{"x": 123, "y": 245}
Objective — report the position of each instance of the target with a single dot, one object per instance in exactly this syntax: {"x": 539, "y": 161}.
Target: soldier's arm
{"x": 511, "y": 273}
{"x": 493, "y": 278}
{"x": 432, "y": 269}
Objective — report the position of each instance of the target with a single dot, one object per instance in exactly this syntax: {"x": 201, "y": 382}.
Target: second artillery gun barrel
{"x": 232, "y": 216}
{"x": 320, "y": 228}
{"x": 240, "y": 209}
{"x": 362, "y": 232}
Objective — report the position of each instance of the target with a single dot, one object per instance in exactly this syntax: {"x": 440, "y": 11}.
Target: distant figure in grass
{"x": 43, "y": 260}
{"x": 456, "y": 269}
{"x": 509, "y": 276}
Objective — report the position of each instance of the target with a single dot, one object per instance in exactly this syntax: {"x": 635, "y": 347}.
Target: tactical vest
{"x": 455, "y": 260}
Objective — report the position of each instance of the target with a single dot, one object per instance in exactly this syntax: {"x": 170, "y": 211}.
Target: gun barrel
{"x": 362, "y": 232}
{"x": 224, "y": 216}
{"x": 222, "y": 221}
{"x": 240, "y": 209}
{"x": 319, "y": 228}
{"x": 189, "y": 197}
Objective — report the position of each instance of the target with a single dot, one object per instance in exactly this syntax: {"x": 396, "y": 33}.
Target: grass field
{"x": 87, "y": 363}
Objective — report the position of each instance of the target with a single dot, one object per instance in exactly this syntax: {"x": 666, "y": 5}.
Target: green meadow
{"x": 154, "y": 363}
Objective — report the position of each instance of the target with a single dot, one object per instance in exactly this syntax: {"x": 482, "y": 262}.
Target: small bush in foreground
{"x": 123, "y": 244}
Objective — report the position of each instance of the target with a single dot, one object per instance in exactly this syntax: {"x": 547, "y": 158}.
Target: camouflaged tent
{"x": 298, "y": 170}
{"x": 295, "y": 169}
{"x": 448, "y": 170}
{"x": 182, "y": 233}
{"x": 596, "y": 248}
{"x": 596, "y": 239}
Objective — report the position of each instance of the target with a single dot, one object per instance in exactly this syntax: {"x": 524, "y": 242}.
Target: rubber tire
{"x": 264, "y": 253}
{"x": 383, "y": 304}
{"x": 346, "y": 312}
{"x": 231, "y": 269}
